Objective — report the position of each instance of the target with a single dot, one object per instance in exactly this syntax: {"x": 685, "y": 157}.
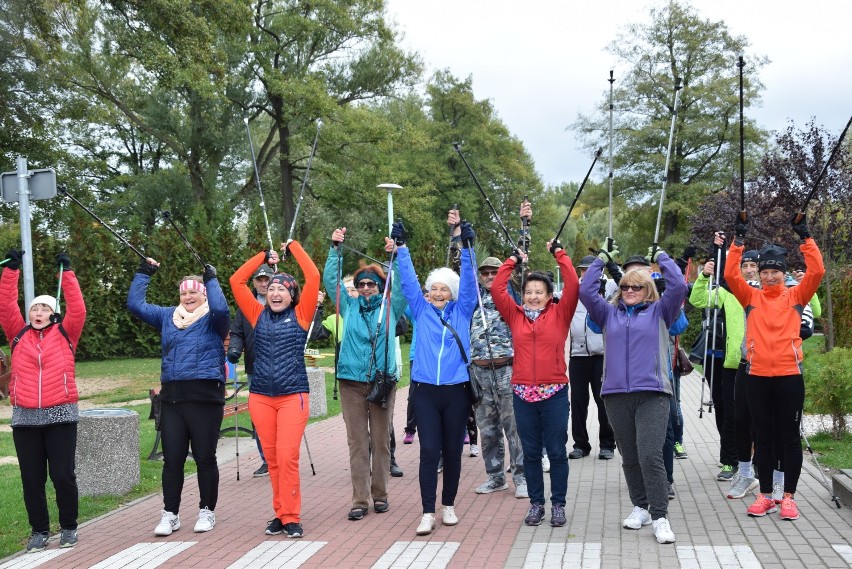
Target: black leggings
{"x": 42, "y": 450}
{"x": 742, "y": 417}
{"x": 776, "y": 409}
{"x": 184, "y": 424}
{"x": 723, "y": 399}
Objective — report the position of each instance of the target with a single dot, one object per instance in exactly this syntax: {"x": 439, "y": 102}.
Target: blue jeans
{"x": 544, "y": 423}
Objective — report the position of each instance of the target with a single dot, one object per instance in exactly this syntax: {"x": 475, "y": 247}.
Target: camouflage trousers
{"x": 496, "y": 418}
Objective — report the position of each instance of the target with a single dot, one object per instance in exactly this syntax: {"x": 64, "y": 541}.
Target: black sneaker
{"x": 294, "y": 529}
{"x": 395, "y": 470}
{"x": 534, "y": 515}
{"x": 577, "y": 453}
{"x": 37, "y": 542}
{"x": 671, "y": 491}
{"x": 606, "y": 454}
{"x": 68, "y": 538}
{"x": 262, "y": 471}
{"x": 557, "y": 515}
{"x": 275, "y": 527}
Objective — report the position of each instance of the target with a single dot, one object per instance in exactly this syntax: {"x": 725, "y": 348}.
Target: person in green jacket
{"x": 362, "y": 356}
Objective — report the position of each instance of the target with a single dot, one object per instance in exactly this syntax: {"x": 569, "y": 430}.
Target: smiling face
{"x": 749, "y": 270}
{"x": 536, "y": 295}
{"x": 439, "y": 295}
{"x": 630, "y": 295}
{"x": 261, "y": 284}
{"x": 771, "y": 277}
{"x": 486, "y": 277}
{"x": 367, "y": 288}
{"x": 278, "y": 298}
{"x": 191, "y": 299}
{"x": 40, "y": 316}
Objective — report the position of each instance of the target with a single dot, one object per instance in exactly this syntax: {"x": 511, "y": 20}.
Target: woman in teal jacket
{"x": 367, "y": 424}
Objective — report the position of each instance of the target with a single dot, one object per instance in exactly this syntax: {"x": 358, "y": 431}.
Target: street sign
{"x": 42, "y": 184}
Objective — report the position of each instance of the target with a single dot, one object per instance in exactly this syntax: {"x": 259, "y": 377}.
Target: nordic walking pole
{"x": 56, "y": 317}
{"x": 717, "y": 278}
{"x": 743, "y": 215}
{"x": 383, "y": 264}
{"x": 611, "y": 107}
{"x": 304, "y": 183}
{"x": 259, "y": 189}
{"x": 706, "y": 324}
{"x": 337, "y": 318}
{"x": 4, "y": 261}
{"x": 834, "y": 497}
{"x": 307, "y": 448}
{"x": 167, "y": 215}
{"x": 484, "y": 320}
{"x": 801, "y": 213}
{"x": 450, "y": 244}
{"x": 64, "y": 191}
{"x": 525, "y": 237}
{"x": 678, "y": 87}
{"x": 236, "y": 424}
{"x": 579, "y": 191}
{"x": 512, "y": 244}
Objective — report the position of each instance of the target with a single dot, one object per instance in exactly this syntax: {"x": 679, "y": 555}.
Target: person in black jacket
{"x": 242, "y": 340}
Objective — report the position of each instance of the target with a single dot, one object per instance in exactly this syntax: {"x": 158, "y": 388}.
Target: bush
{"x": 828, "y": 386}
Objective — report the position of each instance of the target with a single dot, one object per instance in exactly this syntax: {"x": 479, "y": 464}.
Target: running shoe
{"x": 789, "y": 509}
{"x": 762, "y": 505}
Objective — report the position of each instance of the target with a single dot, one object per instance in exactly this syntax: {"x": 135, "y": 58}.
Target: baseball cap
{"x": 492, "y": 262}
{"x": 263, "y": 271}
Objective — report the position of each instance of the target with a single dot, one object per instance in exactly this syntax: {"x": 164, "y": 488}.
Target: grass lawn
{"x": 133, "y": 378}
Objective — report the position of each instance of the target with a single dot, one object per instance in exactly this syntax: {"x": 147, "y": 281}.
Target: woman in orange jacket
{"x": 278, "y": 396}
{"x": 773, "y": 353}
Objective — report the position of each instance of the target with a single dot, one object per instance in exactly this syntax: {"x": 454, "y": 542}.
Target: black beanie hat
{"x": 749, "y": 256}
{"x": 772, "y": 257}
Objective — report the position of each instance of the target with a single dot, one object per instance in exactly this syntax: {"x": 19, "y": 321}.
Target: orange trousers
{"x": 280, "y": 423}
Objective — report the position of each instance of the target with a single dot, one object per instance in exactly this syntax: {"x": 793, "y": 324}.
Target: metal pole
{"x": 678, "y": 87}
{"x": 611, "y": 81}
{"x": 390, "y": 188}
{"x": 304, "y": 183}
{"x": 26, "y": 231}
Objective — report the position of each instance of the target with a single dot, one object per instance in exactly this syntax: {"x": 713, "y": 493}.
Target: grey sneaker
{"x": 491, "y": 485}
{"x": 521, "y": 490}
{"x": 534, "y": 515}
{"x": 37, "y": 542}
{"x": 68, "y": 538}
{"x": 557, "y": 515}
{"x": 741, "y": 486}
{"x": 727, "y": 473}
{"x": 606, "y": 454}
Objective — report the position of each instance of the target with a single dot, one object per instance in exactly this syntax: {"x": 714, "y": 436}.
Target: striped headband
{"x": 190, "y": 284}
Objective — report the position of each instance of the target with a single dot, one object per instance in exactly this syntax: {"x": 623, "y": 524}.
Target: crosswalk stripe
{"x": 717, "y": 557}
{"x": 564, "y": 555}
{"x": 145, "y": 555}
{"x": 845, "y": 552}
{"x": 33, "y": 559}
{"x": 420, "y": 554}
{"x": 278, "y": 554}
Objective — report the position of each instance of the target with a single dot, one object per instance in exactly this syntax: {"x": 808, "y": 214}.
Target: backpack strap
{"x": 456, "y": 336}
{"x": 29, "y": 327}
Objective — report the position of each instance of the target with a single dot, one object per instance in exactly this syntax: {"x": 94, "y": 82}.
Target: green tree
{"x": 676, "y": 44}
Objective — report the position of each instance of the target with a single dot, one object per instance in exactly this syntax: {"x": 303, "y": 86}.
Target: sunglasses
{"x": 488, "y": 273}
{"x": 634, "y": 288}
{"x": 366, "y": 284}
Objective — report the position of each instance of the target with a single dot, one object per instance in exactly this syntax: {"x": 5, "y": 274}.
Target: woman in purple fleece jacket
{"x": 637, "y": 380}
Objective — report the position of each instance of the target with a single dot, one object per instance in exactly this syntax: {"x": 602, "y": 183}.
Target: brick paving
{"x": 711, "y": 530}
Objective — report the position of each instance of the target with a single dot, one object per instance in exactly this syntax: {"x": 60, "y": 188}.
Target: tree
{"x": 676, "y": 44}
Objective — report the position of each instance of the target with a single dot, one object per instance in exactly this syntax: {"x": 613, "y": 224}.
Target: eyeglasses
{"x": 634, "y": 288}
{"x": 488, "y": 273}
{"x": 366, "y": 284}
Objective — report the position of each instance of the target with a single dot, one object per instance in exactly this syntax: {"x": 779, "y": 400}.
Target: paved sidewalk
{"x": 711, "y": 530}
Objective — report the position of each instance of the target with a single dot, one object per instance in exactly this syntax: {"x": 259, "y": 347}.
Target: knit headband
{"x": 190, "y": 284}
{"x": 371, "y": 276}
{"x": 285, "y": 280}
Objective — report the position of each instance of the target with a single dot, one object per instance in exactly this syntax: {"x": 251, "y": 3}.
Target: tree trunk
{"x": 285, "y": 167}
{"x": 828, "y": 329}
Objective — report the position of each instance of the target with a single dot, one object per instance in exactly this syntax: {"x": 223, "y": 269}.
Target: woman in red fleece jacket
{"x": 539, "y": 376}
{"x": 43, "y": 394}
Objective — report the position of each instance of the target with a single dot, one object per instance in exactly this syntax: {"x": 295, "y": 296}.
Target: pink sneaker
{"x": 408, "y": 439}
{"x": 467, "y": 439}
{"x": 789, "y": 509}
{"x": 762, "y": 506}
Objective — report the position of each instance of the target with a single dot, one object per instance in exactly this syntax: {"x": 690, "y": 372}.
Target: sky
{"x": 541, "y": 62}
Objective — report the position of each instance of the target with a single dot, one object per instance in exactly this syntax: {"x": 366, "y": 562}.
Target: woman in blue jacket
{"x": 192, "y": 390}
{"x": 363, "y": 354}
{"x": 637, "y": 387}
{"x": 439, "y": 371}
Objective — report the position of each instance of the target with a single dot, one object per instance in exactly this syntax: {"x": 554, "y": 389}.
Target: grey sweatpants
{"x": 639, "y": 420}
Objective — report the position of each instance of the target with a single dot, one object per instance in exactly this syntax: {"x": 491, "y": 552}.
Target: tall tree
{"x": 676, "y": 44}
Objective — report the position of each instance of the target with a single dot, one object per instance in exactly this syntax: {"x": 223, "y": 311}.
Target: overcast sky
{"x": 541, "y": 62}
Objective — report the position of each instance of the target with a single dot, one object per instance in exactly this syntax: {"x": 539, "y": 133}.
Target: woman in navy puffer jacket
{"x": 192, "y": 390}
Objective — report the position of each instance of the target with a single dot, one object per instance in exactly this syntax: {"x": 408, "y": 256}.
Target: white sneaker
{"x": 663, "y": 531}
{"x": 169, "y": 522}
{"x": 206, "y": 521}
{"x": 427, "y": 524}
{"x": 450, "y": 517}
{"x": 545, "y": 464}
{"x": 638, "y": 517}
{"x": 521, "y": 490}
{"x": 474, "y": 450}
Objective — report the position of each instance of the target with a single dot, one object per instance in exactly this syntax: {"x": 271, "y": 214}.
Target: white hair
{"x": 445, "y": 276}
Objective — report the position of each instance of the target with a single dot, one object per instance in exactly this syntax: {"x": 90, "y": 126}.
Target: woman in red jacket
{"x": 539, "y": 376}
{"x": 43, "y": 394}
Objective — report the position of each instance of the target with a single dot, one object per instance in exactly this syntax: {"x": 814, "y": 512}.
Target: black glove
{"x": 15, "y": 257}
{"x": 602, "y": 286}
{"x": 467, "y": 234}
{"x": 209, "y": 273}
{"x": 660, "y": 283}
{"x": 517, "y": 254}
{"x": 688, "y": 253}
{"x": 555, "y": 246}
{"x": 740, "y": 227}
{"x": 801, "y": 227}
{"x": 266, "y": 255}
{"x": 63, "y": 261}
{"x": 233, "y": 356}
{"x": 146, "y": 268}
{"x": 398, "y": 233}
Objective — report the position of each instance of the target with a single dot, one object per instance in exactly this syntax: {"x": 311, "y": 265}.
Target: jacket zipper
{"x": 441, "y": 351}
{"x": 38, "y": 346}
{"x": 627, "y": 355}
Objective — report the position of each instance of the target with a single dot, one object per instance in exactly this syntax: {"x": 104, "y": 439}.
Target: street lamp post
{"x": 390, "y": 188}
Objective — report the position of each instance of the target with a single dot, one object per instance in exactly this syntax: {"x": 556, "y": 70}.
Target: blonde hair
{"x": 639, "y": 276}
